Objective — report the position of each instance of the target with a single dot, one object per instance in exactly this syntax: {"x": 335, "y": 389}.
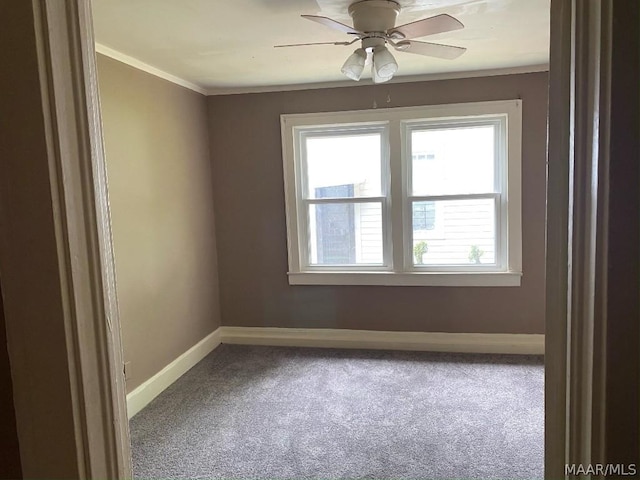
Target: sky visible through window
{"x": 458, "y": 160}
{"x": 343, "y": 160}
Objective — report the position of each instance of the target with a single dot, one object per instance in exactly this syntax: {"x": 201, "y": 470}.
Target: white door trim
{"x": 72, "y": 375}
{"x": 577, "y": 226}
{"x": 85, "y": 223}
{"x": 556, "y": 340}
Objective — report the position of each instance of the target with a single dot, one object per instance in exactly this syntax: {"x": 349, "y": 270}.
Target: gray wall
{"x": 250, "y": 218}
{"x": 160, "y": 186}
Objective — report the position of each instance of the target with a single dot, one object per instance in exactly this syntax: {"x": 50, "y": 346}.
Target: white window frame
{"x": 396, "y": 123}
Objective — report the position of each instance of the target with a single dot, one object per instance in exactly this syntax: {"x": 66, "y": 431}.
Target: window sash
{"x": 305, "y": 240}
{"x": 347, "y": 130}
{"x": 500, "y": 252}
{"x": 312, "y": 201}
{"x": 498, "y": 122}
{"x": 304, "y": 199}
{"x": 499, "y": 193}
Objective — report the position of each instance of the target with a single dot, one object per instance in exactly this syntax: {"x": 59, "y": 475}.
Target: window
{"x": 405, "y": 196}
{"x": 424, "y": 216}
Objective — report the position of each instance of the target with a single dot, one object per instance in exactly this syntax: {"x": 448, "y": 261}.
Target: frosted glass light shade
{"x": 383, "y": 63}
{"x": 377, "y": 78}
{"x": 354, "y": 65}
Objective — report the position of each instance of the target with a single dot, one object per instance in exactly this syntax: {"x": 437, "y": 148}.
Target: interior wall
{"x": 10, "y": 467}
{"x": 623, "y": 241}
{"x": 160, "y": 187}
{"x": 252, "y": 250}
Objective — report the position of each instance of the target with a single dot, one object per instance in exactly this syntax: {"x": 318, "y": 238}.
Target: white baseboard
{"x": 332, "y": 338}
{"x": 417, "y": 341}
{"x": 142, "y": 396}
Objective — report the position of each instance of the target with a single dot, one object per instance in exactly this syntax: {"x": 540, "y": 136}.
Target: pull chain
{"x": 375, "y": 102}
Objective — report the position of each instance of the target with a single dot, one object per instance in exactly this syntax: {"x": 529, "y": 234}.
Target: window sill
{"x": 440, "y": 279}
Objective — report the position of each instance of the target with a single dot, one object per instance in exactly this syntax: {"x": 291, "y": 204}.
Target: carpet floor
{"x": 247, "y": 412}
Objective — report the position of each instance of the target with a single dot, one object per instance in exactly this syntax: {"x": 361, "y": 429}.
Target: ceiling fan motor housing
{"x": 374, "y": 15}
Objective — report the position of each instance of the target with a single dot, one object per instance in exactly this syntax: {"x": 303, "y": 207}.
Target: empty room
{"x": 319, "y": 239}
{"x": 329, "y": 258}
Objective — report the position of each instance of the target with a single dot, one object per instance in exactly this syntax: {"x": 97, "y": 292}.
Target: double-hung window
{"x": 405, "y": 196}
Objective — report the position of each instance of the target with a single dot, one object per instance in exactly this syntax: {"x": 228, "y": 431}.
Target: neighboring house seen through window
{"x": 334, "y": 241}
{"x": 424, "y": 216}
{"x": 405, "y": 196}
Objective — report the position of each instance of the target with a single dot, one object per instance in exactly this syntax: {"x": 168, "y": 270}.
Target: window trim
{"x": 399, "y": 268}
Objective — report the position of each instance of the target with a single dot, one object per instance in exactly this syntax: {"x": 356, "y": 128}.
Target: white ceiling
{"x": 226, "y": 45}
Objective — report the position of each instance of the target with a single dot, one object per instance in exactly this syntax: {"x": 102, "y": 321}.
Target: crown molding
{"x": 213, "y": 91}
{"x": 145, "y": 67}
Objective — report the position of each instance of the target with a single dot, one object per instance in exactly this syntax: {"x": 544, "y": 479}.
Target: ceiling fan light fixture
{"x": 354, "y": 65}
{"x": 384, "y": 64}
{"x": 374, "y": 26}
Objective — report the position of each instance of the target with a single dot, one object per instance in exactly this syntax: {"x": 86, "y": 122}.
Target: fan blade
{"x": 316, "y": 43}
{"x": 328, "y": 22}
{"x": 428, "y": 26}
{"x": 448, "y": 52}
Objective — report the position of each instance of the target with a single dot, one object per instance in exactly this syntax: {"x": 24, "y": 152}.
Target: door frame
{"x": 591, "y": 332}
{"x": 56, "y": 255}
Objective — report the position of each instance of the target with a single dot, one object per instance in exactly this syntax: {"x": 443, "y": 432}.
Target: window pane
{"x": 449, "y": 161}
{"x": 343, "y": 160}
{"x": 345, "y": 234}
{"x": 463, "y": 233}
{"x": 424, "y": 215}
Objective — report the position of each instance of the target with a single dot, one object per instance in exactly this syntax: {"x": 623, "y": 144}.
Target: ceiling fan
{"x": 374, "y": 26}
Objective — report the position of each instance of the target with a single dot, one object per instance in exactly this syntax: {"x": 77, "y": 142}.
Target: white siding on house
{"x": 368, "y": 227}
{"x": 459, "y": 225}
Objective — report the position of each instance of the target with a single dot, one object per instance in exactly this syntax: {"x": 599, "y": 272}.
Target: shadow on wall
{"x": 10, "y": 467}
